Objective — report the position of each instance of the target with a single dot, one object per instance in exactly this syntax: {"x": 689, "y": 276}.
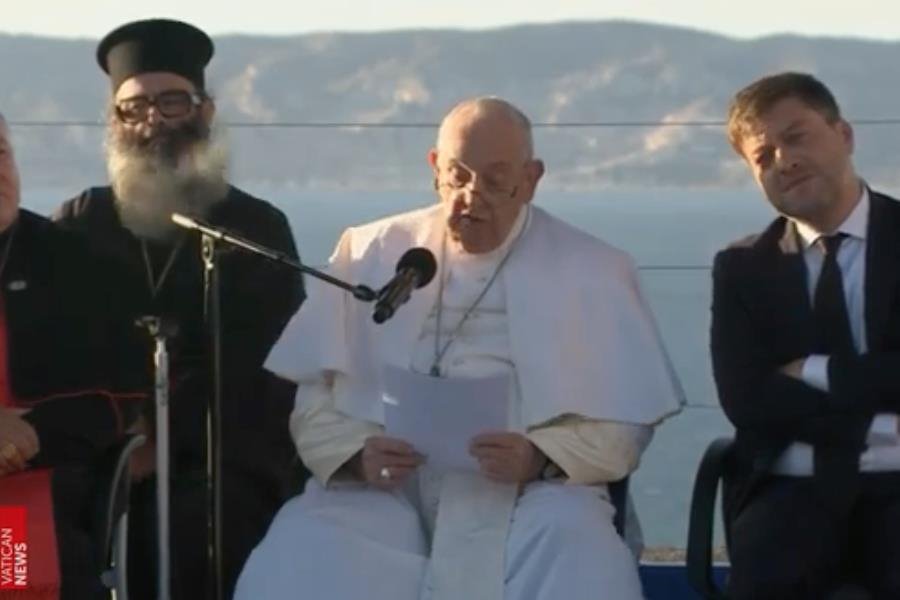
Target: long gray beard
{"x": 149, "y": 188}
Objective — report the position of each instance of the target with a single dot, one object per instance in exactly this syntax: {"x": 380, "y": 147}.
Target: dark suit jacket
{"x": 762, "y": 320}
{"x": 72, "y": 347}
{"x": 74, "y": 361}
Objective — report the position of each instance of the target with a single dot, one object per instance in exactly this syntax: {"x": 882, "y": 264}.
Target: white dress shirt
{"x": 883, "y": 453}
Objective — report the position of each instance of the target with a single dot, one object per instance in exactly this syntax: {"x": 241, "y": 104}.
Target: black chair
{"x": 110, "y": 531}
{"x": 618, "y": 497}
{"x": 713, "y": 467}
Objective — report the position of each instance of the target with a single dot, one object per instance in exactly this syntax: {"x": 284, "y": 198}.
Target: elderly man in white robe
{"x": 517, "y": 292}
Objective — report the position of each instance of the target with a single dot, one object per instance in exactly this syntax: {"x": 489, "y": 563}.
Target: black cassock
{"x": 73, "y": 361}
{"x": 258, "y": 298}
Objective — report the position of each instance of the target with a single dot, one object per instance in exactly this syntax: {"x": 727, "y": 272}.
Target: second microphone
{"x": 415, "y": 269}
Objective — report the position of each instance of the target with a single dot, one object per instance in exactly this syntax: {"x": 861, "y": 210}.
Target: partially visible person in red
{"x": 71, "y": 382}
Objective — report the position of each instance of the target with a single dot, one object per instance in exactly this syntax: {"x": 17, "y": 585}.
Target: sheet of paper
{"x": 440, "y": 416}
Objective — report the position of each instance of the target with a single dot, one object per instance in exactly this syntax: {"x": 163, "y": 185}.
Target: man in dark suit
{"x": 806, "y": 356}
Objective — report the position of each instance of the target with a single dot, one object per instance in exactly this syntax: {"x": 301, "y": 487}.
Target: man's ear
{"x": 208, "y": 110}
{"x": 846, "y": 130}
{"x": 535, "y": 170}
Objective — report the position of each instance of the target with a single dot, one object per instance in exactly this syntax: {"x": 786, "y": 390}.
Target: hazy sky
{"x": 92, "y": 18}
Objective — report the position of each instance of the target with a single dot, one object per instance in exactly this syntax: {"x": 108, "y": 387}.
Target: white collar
{"x": 855, "y": 225}
{"x": 457, "y": 255}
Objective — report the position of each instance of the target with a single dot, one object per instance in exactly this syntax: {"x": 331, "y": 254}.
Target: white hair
{"x": 484, "y": 105}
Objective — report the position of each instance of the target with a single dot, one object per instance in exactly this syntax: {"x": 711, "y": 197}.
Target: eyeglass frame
{"x": 196, "y": 100}
{"x": 490, "y": 196}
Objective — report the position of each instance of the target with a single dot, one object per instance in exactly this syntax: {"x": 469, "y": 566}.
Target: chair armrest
{"x": 702, "y": 518}
{"x": 618, "y": 497}
{"x": 114, "y": 486}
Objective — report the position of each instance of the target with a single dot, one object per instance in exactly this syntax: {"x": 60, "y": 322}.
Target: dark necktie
{"x": 836, "y": 465}
{"x": 833, "y": 334}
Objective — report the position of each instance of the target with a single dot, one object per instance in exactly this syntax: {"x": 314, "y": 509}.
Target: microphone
{"x": 415, "y": 269}
{"x": 184, "y": 221}
{"x": 198, "y": 225}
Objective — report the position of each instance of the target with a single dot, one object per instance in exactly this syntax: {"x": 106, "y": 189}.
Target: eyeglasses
{"x": 494, "y": 187}
{"x": 171, "y": 104}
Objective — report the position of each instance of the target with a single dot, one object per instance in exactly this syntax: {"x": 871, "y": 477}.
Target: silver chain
{"x": 440, "y": 351}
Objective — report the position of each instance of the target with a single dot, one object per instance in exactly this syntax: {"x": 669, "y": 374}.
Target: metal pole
{"x": 213, "y": 420}
{"x": 161, "y": 364}
{"x": 360, "y": 292}
{"x": 161, "y": 397}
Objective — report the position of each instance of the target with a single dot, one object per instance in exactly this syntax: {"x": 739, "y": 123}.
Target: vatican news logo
{"x": 13, "y": 548}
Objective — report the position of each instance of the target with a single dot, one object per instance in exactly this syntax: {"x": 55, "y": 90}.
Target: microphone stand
{"x": 360, "y": 292}
{"x": 213, "y": 317}
{"x": 212, "y": 313}
{"x": 159, "y": 332}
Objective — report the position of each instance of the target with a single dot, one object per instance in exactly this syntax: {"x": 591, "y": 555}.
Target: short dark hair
{"x": 753, "y": 101}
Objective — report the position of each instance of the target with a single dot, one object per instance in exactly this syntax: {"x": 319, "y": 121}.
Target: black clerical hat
{"x": 155, "y": 45}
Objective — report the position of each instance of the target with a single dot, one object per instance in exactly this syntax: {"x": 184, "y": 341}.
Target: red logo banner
{"x": 13, "y": 548}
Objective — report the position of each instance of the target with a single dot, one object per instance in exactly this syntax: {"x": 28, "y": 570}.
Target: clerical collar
{"x": 456, "y": 253}
{"x": 855, "y": 225}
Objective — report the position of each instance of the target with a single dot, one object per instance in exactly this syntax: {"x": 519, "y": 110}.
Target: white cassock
{"x": 566, "y": 319}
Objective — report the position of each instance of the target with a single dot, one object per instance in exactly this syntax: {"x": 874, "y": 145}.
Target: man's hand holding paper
{"x": 508, "y": 456}
{"x": 386, "y": 462}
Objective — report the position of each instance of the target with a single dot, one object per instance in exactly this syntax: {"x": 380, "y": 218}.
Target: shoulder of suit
{"x": 49, "y": 238}
{"x": 32, "y": 220}
{"x": 890, "y": 201}
{"x": 33, "y": 229}
{"x": 874, "y": 192}
{"x": 737, "y": 252}
{"x": 759, "y": 242}
{"x": 33, "y": 226}
{"x": 748, "y": 241}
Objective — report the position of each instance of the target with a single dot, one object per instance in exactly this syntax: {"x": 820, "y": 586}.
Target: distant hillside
{"x": 575, "y": 73}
